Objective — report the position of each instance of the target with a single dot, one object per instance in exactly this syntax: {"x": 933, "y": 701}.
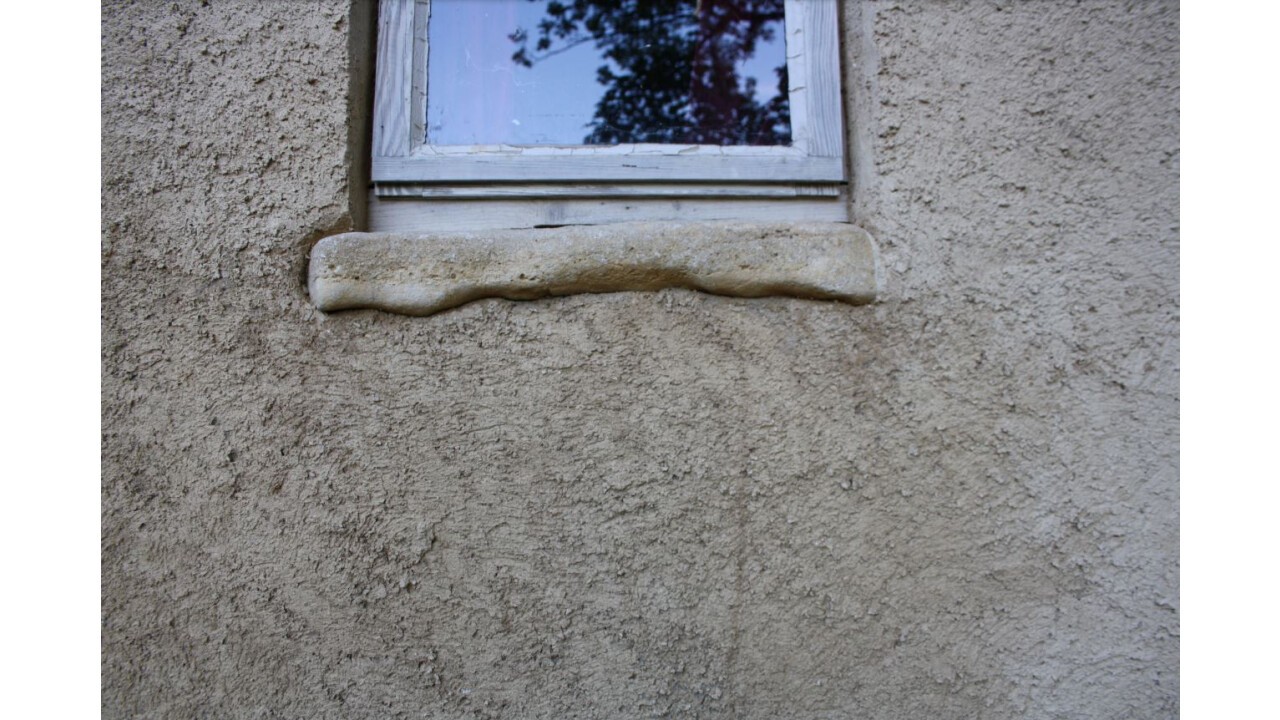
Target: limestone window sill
{"x": 421, "y": 274}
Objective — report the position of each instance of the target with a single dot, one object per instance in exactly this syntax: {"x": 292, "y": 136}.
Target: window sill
{"x": 421, "y": 274}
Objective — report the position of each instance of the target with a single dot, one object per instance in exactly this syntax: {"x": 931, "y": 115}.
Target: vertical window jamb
{"x": 393, "y": 79}
{"x": 418, "y": 94}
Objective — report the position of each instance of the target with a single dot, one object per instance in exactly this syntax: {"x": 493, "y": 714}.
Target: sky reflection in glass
{"x": 525, "y": 72}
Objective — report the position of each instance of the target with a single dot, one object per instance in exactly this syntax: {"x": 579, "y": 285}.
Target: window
{"x": 681, "y": 128}
{"x": 777, "y": 157}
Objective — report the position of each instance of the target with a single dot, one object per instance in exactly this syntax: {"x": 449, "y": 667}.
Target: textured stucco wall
{"x": 960, "y": 502}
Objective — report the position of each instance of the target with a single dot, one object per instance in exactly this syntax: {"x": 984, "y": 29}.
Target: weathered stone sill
{"x": 422, "y": 274}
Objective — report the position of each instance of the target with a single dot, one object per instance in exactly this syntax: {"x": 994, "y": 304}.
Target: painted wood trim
{"x": 435, "y": 152}
{"x": 607, "y": 168}
{"x": 527, "y": 190}
{"x": 393, "y": 79}
{"x": 820, "y": 28}
{"x": 418, "y": 90}
{"x": 418, "y": 215}
{"x": 797, "y": 76}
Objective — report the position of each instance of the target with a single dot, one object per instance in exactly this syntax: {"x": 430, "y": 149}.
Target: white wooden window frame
{"x": 405, "y": 165}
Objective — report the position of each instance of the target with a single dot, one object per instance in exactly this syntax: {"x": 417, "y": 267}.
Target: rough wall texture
{"x": 958, "y": 503}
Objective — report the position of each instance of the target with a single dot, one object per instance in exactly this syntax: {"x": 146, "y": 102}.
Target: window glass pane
{"x": 604, "y": 72}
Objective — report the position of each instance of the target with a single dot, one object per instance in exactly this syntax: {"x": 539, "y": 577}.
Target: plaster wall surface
{"x": 960, "y": 502}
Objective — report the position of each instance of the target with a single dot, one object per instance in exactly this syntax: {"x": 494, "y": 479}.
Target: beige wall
{"x": 958, "y": 503}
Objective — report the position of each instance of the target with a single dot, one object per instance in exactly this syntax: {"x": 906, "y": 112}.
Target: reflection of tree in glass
{"x": 674, "y": 73}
